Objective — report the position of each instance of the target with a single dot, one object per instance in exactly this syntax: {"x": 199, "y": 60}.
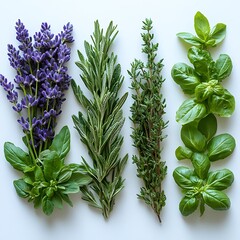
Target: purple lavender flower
{"x": 12, "y": 95}
{"x": 41, "y": 80}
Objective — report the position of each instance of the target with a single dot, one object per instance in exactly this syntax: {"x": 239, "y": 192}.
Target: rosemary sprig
{"x": 147, "y": 116}
{"x": 99, "y": 127}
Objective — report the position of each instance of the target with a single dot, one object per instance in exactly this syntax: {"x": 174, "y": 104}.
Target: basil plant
{"x": 208, "y": 99}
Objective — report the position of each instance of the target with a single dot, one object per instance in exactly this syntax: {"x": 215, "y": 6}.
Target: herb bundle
{"x": 147, "y": 116}
{"x": 37, "y": 95}
{"x": 203, "y": 82}
{"x": 99, "y": 127}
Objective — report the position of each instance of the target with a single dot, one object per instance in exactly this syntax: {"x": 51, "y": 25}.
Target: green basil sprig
{"x": 47, "y": 181}
{"x": 206, "y": 36}
{"x": 203, "y": 83}
{"x": 199, "y": 192}
{"x": 203, "y": 79}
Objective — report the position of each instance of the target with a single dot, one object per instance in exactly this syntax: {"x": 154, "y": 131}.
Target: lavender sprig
{"x": 42, "y": 78}
{"x": 37, "y": 95}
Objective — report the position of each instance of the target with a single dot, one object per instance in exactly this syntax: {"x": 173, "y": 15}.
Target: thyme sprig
{"x": 147, "y": 116}
{"x": 100, "y": 125}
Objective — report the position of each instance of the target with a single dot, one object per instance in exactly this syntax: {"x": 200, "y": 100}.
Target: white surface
{"x": 130, "y": 219}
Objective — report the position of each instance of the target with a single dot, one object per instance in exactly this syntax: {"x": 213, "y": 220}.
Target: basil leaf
{"x": 183, "y": 153}
{"x": 218, "y": 90}
{"x": 66, "y": 198}
{"x": 220, "y": 179}
{"x": 204, "y": 90}
{"x": 182, "y": 176}
{"x": 210, "y": 42}
{"x": 61, "y": 143}
{"x": 22, "y": 188}
{"x": 218, "y": 33}
{"x": 186, "y": 77}
{"x": 221, "y": 146}
{"x": 188, "y": 205}
{"x": 202, "y": 62}
{"x": 193, "y": 138}
{"x": 57, "y": 201}
{"x": 81, "y": 179}
{"x": 202, "y": 206}
{"x": 208, "y": 126}
{"x": 201, "y": 164}
{"x": 47, "y": 206}
{"x": 70, "y": 187}
{"x": 223, "y": 66}
{"x": 19, "y": 159}
{"x": 222, "y": 105}
{"x": 216, "y": 199}
{"x": 190, "y": 38}
{"x": 201, "y": 25}
{"x": 51, "y": 164}
{"x": 64, "y": 176}
{"x": 38, "y": 174}
{"x": 190, "y": 111}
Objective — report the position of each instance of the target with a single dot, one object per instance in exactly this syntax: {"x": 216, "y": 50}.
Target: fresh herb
{"x": 147, "y": 115}
{"x": 41, "y": 80}
{"x": 203, "y": 82}
{"x": 100, "y": 125}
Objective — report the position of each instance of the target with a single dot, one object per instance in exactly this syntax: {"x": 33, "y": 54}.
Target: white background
{"x": 131, "y": 218}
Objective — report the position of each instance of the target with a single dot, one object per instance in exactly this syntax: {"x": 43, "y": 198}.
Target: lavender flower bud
{"x": 23, "y": 36}
{"x": 66, "y": 35}
{"x": 14, "y": 57}
{"x": 12, "y": 95}
{"x": 24, "y": 123}
{"x": 17, "y": 107}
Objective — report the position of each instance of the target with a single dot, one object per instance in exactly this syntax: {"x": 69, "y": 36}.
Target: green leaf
{"x": 215, "y": 199}
{"x": 218, "y": 33}
{"x": 183, "y": 152}
{"x": 64, "y": 175}
{"x": 38, "y": 174}
{"x": 81, "y": 179}
{"x": 50, "y": 192}
{"x": 182, "y": 176}
{"x": 208, "y": 126}
{"x": 221, "y": 146}
{"x": 202, "y": 62}
{"x": 79, "y": 95}
{"x": 185, "y": 77}
{"x": 222, "y": 105}
{"x": 47, "y": 206}
{"x": 205, "y": 90}
{"x": 202, "y": 206}
{"x": 57, "y": 201}
{"x": 223, "y": 66}
{"x": 190, "y": 111}
{"x": 66, "y": 198}
{"x": 220, "y": 179}
{"x": 201, "y": 26}
{"x": 61, "y": 143}
{"x": 22, "y": 188}
{"x": 201, "y": 164}
{"x": 70, "y": 187}
{"x": 193, "y": 138}
{"x": 51, "y": 164}
{"x": 190, "y": 38}
{"x": 19, "y": 159}
{"x": 188, "y": 205}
